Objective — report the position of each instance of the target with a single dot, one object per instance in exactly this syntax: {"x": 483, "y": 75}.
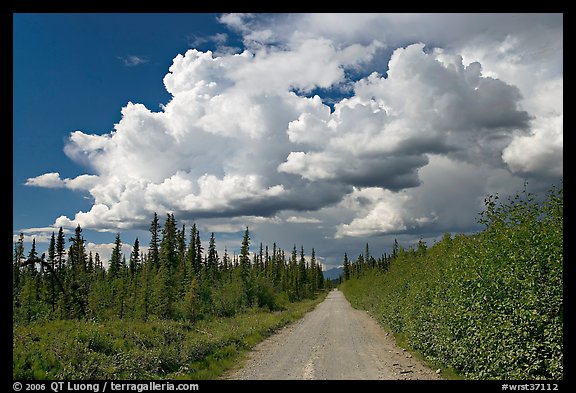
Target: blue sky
{"x": 321, "y": 130}
{"x": 74, "y": 71}
{"x": 70, "y": 70}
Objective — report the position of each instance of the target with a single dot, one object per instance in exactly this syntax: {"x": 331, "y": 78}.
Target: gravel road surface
{"x": 334, "y": 341}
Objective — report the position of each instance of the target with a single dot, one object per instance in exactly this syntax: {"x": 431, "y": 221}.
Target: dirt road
{"x": 334, "y": 341}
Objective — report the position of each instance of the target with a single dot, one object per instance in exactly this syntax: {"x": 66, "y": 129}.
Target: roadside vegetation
{"x": 485, "y": 306}
{"x": 156, "y": 349}
{"x": 176, "y": 311}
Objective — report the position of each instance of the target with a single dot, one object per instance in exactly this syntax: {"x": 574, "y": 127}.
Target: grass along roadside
{"x": 160, "y": 349}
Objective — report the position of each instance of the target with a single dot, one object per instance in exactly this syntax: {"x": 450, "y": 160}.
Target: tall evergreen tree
{"x": 77, "y": 284}
{"x": 319, "y": 275}
{"x": 33, "y": 256}
{"x": 122, "y": 294}
{"x": 115, "y": 259}
{"x": 52, "y": 251}
{"x": 169, "y": 244}
{"x": 346, "y": 267}
{"x": 191, "y": 253}
{"x": 276, "y": 268}
{"x": 17, "y": 262}
{"x": 60, "y": 249}
{"x": 212, "y": 259}
{"x": 154, "y": 249}
{"x": 198, "y": 253}
{"x": 135, "y": 258}
{"x": 302, "y": 279}
{"x": 77, "y": 253}
{"x": 225, "y": 261}
{"x": 245, "y": 255}
{"x": 293, "y": 275}
{"x": 313, "y": 278}
{"x": 267, "y": 264}
{"x": 90, "y": 266}
{"x": 261, "y": 258}
{"x": 51, "y": 273}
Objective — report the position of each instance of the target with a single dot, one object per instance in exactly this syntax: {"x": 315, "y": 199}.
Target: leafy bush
{"x": 488, "y": 305}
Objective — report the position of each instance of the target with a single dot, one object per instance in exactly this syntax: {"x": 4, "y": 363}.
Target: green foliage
{"x": 489, "y": 305}
{"x": 90, "y": 312}
{"x": 191, "y": 305}
{"x": 116, "y": 258}
{"x": 228, "y": 298}
{"x": 158, "y": 349}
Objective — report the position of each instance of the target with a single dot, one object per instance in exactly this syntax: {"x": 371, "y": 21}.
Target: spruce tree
{"x": 261, "y": 258}
{"x": 77, "y": 283}
{"x": 135, "y": 258}
{"x": 52, "y": 251}
{"x": 212, "y": 259}
{"x": 346, "y": 267}
{"x": 313, "y": 279}
{"x": 267, "y": 264}
{"x": 181, "y": 276}
{"x": 60, "y": 249}
{"x": 33, "y": 257}
{"x": 115, "y": 259}
{"x": 293, "y": 275}
{"x": 16, "y": 274}
{"x": 168, "y": 244}
{"x": 191, "y": 252}
{"x": 77, "y": 253}
{"x": 121, "y": 288}
{"x": 302, "y": 279}
{"x": 51, "y": 273}
{"x": 225, "y": 261}
{"x": 276, "y": 271}
{"x": 90, "y": 266}
{"x": 155, "y": 242}
{"x": 320, "y": 276}
{"x": 198, "y": 253}
{"x": 244, "y": 256}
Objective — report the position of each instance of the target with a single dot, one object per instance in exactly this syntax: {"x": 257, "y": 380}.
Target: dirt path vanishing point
{"x": 334, "y": 341}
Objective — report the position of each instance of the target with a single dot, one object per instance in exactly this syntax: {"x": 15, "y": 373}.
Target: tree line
{"x": 175, "y": 279}
{"x": 366, "y": 263}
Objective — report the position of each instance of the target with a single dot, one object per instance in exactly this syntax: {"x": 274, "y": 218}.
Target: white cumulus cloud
{"x": 428, "y": 113}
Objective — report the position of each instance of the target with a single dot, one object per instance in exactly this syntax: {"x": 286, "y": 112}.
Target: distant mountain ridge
{"x": 333, "y": 274}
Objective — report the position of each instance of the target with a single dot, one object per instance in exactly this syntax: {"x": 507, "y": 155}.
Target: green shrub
{"x": 490, "y": 305}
